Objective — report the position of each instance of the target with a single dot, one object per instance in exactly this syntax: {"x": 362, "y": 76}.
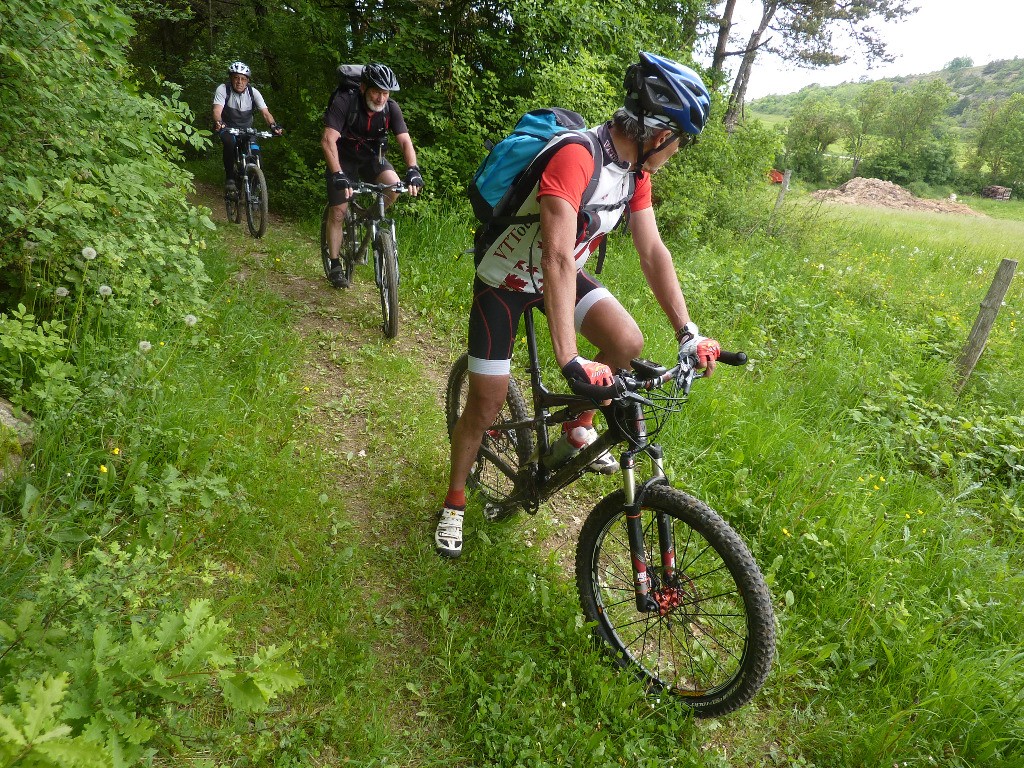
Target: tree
{"x": 1000, "y": 140}
{"x": 915, "y": 112}
{"x": 959, "y": 63}
{"x": 807, "y": 32}
{"x": 466, "y": 67}
{"x": 816, "y": 124}
{"x": 868, "y": 114}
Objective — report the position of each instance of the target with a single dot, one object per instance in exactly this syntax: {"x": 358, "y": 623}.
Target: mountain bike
{"x": 251, "y": 192}
{"x": 673, "y": 592}
{"x": 366, "y": 223}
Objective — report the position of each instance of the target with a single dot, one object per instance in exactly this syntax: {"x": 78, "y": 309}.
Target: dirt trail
{"x": 335, "y": 324}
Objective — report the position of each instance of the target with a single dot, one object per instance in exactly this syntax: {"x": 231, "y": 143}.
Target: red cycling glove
{"x": 692, "y": 343}
{"x": 587, "y": 371}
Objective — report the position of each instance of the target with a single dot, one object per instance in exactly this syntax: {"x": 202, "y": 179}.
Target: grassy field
{"x": 885, "y": 509}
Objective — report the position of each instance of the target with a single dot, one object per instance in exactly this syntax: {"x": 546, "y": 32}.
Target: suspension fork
{"x": 645, "y": 602}
{"x": 635, "y": 532}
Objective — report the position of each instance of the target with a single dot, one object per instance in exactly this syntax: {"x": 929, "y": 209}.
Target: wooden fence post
{"x": 782, "y": 196}
{"x": 975, "y": 345}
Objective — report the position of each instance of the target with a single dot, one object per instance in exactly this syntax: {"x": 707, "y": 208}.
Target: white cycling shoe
{"x": 448, "y": 536}
{"x": 605, "y": 463}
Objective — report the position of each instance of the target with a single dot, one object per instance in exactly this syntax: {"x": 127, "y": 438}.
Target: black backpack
{"x": 350, "y": 76}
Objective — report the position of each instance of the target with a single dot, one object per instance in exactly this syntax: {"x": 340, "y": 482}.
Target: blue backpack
{"x": 500, "y": 176}
{"x": 515, "y": 164}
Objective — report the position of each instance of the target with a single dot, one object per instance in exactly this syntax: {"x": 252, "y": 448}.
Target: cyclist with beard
{"x": 356, "y": 126}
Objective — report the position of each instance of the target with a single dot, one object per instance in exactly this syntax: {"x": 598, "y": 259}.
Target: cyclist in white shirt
{"x": 233, "y": 105}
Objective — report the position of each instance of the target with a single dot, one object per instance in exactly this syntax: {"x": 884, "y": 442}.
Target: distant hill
{"x": 973, "y": 85}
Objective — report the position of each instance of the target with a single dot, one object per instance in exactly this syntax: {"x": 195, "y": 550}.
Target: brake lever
{"x": 686, "y": 374}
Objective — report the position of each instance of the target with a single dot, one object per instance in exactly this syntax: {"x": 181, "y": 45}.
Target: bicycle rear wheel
{"x": 256, "y": 200}
{"x": 713, "y": 638}
{"x": 387, "y": 282}
{"x": 232, "y": 206}
{"x": 503, "y": 451}
{"x": 325, "y": 248}
{"x": 355, "y": 238}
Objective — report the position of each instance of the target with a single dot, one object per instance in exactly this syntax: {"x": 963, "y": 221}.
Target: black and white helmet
{"x": 380, "y": 76}
{"x": 239, "y": 68}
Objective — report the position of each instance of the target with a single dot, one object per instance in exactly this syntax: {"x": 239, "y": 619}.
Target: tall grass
{"x": 885, "y": 510}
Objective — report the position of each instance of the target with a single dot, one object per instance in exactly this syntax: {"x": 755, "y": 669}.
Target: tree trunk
{"x": 724, "y": 25}
{"x": 739, "y": 87}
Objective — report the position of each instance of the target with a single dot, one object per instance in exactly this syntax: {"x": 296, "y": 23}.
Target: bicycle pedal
{"x": 494, "y": 513}
{"x": 603, "y": 467}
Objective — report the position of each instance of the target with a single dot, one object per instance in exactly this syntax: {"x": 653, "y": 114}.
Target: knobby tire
{"x": 502, "y": 452}
{"x": 714, "y": 646}
{"x": 256, "y": 204}
{"x": 325, "y": 248}
{"x": 387, "y": 283}
{"x": 233, "y": 206}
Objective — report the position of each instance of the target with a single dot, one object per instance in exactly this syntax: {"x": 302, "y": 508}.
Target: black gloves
{"x": 413, "y": 177}
{"x": 340, "y": 181}
{"x": 276, "y": 129}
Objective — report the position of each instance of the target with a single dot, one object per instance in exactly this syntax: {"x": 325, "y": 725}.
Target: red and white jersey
{"x": 513, "y": 260}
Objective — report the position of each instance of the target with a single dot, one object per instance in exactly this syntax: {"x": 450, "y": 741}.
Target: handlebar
{"x": 250, "y": 132}
{"x": 365, "y": 187}
{"x": 684, "y": 372}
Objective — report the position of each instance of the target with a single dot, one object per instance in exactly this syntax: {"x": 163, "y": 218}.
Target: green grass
{"x": 885, "y": 510}
{"x": 770, "y": 120}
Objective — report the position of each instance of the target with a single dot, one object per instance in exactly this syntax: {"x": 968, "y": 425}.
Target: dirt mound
{"x": 885, "y": 194}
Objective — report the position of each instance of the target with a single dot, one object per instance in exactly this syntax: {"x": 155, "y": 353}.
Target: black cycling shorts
{"x": 494, "y": 320}
{"x": 362, "y": 167}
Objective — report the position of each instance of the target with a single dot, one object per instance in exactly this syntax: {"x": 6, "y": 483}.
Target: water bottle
{"x": 565, "y": 447}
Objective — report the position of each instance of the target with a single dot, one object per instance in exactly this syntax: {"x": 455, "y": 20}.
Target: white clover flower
{"x": 88, "y": 253}
{"x": 61, "y": 292}
{"x": 144, "y": 347}
{"x": 191, "y": 320}
{"x": 106, "y": 290}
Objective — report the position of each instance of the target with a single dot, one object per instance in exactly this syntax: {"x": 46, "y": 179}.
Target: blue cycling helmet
{"x": 669, "y": 94}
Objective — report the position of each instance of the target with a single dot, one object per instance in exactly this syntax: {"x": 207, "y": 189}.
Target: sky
{"x": 942, "y": 30}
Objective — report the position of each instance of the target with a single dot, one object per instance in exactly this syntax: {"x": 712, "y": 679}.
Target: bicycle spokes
{"x": 707, "y": 631}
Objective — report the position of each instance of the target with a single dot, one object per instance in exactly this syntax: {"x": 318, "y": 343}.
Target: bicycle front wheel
{"x": 712, "y": 638}
{"x": 256, "y": 200}
{"x": 387, "y": 282}
{"x": 503, "y": 450}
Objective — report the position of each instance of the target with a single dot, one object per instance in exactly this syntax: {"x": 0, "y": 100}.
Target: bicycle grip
{"x": 597, "y": 391}
{"x": 732, "y": 358}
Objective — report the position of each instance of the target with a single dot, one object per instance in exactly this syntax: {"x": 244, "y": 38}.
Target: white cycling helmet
{"x": 239, "y": 68}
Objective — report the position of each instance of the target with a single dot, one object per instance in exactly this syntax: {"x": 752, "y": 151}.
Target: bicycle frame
{"x": 374, "y": 217}
{"x": 537, "y": 483}
{"x": 244, "y": 154}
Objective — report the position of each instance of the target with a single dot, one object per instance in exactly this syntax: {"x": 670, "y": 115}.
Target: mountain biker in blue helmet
{"x": 661, "y": 93}
{"x": 541, "y": 264}
{"x": 233, "y": 105}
